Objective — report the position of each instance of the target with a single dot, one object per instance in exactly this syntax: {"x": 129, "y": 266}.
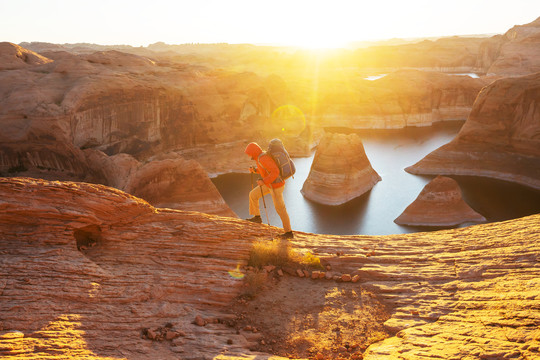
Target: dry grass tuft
{"x": 273, "y": 252}
{"x": 280, "y": 253}
{"x": 311, "y": 261}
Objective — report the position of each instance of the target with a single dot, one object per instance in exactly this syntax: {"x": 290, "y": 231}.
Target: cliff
{"x": 440, "y": 203}
{"x": 400, "y": 99}
{"x": 89, "y": 271}
{"x": 340, "y": 171}
{"x": 500, "y": 139}
{"x": 53, "y": 113}
{"x": 123, "y": 103}
{"x": 515, "y": 53}
{"x": 452, "y": 54}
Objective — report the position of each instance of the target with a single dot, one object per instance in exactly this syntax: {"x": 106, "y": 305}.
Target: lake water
{"x": 376, "y": 77}
{"x": 389, "y": 151}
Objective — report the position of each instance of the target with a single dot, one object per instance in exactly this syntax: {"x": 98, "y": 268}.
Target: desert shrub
{"x": 280, "y": 254}
{"x": 269, "y": 253}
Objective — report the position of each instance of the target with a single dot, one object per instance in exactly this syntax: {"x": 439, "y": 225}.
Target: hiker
{"x": 269, "y": 171}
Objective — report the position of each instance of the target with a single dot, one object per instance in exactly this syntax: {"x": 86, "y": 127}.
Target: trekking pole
{"x": 264, "y": 202}
{"x": 251, "y": 176}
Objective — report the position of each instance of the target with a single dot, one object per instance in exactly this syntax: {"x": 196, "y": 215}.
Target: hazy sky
{"x": 287, "y": 22}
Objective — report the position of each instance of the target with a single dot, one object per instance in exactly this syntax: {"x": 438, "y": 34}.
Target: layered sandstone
{"x": 165, "y": 181}
{"x": 500, "y": 138}
{"x": 440, "y": 203}
{"x": 515, "y": 53}
{"x": 340, "y": 171}
{"x": 101, "y": 256}
{"x": 470, "y": 292}
{"x": 400, "y": 99}
{"x": 86, "y": 269}
{"x": 124, "y": 105}
{"x": 176, "y": 183}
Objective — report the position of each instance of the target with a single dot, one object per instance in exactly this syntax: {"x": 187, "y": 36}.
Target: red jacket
{"x": 266, "y": 166}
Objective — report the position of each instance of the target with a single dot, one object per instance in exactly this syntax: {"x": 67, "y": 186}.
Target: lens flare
{"x": 289, "y": 119}
{"x": 236, "y": 273}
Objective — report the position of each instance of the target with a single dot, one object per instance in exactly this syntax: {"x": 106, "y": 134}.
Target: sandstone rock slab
{"x": 85, "y": 302}
{"x": 451, "y": 294}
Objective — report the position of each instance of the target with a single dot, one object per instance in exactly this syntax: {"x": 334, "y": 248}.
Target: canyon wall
{"x": 122, "y": 103}
{"x": 452, "y": 54}
{"x": 340, "y": 172}
{"x": 515, "y": 53}
{"x": 404, "y": 98}
{"x": 55, "y": 110}
{"x": 52, "y": 112}
{"x": 501, "y": 138}
{"x": 183, "y": 99}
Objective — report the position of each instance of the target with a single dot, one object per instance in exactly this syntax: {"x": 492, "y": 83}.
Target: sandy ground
{"x": 306, "y": 318}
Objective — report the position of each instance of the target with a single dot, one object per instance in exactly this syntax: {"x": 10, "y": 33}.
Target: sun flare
{"x": 321, "y": 43}
{"x": 315, "y": 36}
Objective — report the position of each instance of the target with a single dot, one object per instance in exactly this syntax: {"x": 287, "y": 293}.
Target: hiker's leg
{"x": 279, "y": 204}
{"x": 254, "y": 196}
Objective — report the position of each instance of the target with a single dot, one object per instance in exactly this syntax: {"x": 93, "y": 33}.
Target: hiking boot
{"x": 287, "y": 235}
{"x": 256, "y": 219}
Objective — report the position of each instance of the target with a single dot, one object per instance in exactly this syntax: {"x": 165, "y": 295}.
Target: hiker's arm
{"x": 271, "y": 167}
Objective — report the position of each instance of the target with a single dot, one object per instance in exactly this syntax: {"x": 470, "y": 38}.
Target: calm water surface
{"x": 376, "y": 77}
{"x": 389, "y": 151}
